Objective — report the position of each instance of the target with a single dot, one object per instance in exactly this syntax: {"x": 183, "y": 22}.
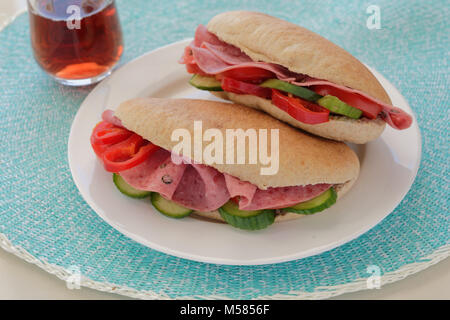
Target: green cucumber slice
{"x": 233, "y": 209}
{"x": 128, "y": 190}
{"x": 246, "y": 220}
{"x": 295, "y": 90}
{"x": 169, "y": 208}
{"x": 335, "y": 105}
{"x": 205, "y": 83}
{"x": 319, "y": 203}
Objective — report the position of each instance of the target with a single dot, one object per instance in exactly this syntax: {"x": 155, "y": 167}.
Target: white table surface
{"x": 21, "y": 280}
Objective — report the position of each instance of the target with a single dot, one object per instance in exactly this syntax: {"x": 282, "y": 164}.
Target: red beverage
{"x": 78, "y": 42}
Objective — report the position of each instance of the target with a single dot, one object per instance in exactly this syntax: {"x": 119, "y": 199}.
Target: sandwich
{"x": 136, "y": 143}
{"x": 291, "y": 73}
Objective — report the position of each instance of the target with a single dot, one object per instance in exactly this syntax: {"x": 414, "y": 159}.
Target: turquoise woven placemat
{"x": 44, "y": 220}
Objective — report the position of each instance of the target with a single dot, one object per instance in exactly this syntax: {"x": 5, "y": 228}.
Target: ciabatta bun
{"x": 269, "y": 39}
{"x": 303, "y": 159}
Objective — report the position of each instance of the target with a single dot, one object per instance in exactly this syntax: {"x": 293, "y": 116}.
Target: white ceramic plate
{"x": 388, "y": 168}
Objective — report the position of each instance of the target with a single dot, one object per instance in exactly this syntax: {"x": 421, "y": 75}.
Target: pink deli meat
{"x": 252, "y": 198}
{"x": 203, "y": 188}
{"x": 108, "y": 116}
{"x": 214, "y": 56}
{"x": 158, "y": 173}
{"x": 193, "y": 186}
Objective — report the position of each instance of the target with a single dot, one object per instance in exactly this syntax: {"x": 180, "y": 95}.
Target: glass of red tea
{"x": 77, "y": 42}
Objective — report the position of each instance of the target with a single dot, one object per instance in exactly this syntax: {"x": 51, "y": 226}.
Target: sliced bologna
{"x": 158, "y": 174}
{"x": 108, "y": 116}
{"x": 202, "y": 188}
{"x": 252, "y": 198}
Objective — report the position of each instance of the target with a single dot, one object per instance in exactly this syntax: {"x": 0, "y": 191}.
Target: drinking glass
{"x": 77, "y": 42}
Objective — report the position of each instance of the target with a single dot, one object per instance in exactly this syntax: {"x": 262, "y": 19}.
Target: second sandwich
{"x": 291, "y": 73}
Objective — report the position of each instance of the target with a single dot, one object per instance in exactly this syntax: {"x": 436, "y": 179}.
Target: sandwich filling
{"x": 147, "y": 167}
{"x": 217, "y": 66}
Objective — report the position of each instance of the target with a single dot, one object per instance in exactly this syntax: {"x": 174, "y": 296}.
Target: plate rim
{"x": 226, "y": 261}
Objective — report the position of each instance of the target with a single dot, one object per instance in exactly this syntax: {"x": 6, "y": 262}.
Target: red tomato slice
{"x": 127, "y": 154}
{"x": 235, "y": 86}
{"x": 110, "y": 135}
{"x": 106, "y": 134}
{"x": 99, "y": 148}
{"x": 369, "y": 108}
{"x": 119, "y": 148}
{"x": 299, "y": 109}
{"x": 251, "y": 74}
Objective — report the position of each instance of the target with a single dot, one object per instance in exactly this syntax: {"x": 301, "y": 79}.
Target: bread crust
{"x": 269, "y": 39}
{"x": 303, "y": 159}
{"x": 338, "y": 128}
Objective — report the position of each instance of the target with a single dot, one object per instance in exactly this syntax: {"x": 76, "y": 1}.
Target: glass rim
{"x": 31, "y": 4}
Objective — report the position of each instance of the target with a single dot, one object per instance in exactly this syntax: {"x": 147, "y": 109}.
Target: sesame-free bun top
{"x": 303, "y": 159}
{"x": 269, "y": 39}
